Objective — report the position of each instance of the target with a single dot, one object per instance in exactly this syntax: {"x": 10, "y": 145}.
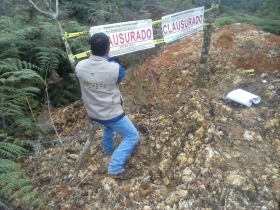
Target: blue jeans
{"x": 130, "y": 136}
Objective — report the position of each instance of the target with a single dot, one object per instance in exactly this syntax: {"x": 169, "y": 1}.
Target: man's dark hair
{"x": 99, "y": 44}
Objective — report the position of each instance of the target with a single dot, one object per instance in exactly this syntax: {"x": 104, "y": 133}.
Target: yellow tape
{"x": 71, "y": 57}
{"x": 88, "y": 53}
{"x": 211, "y": 8}
{"x": 214, "y": 26}
{"x": 82, "y": 55}
{"x": 249, "y": 72}
{"x": 158, "y": 41}
{"x": 71, "y": 35}
{"x": 157, "y": 22}
{"x": 207, "y": 24}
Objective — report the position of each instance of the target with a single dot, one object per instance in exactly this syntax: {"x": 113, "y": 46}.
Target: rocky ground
{"x": 197, "y": 150}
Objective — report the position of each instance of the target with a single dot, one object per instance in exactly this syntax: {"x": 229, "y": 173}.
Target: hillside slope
{"x": 196, "y": 150}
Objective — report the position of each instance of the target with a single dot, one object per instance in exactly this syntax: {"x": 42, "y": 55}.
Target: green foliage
{"x": 225, "y": 20}
{"x": 37, "y": 40}
{"x": 7, "y": 166}
{"x": 8, "y": 150}
{"x": 247, "y": 5}
{"x": 270, "y": 25}
{"x": 20, "y": 35}
{"x": 54, "y": 66}
{"x": 19, "y": 84}
{"x": 272, "y": 28}
{"x": 66, "y": 91}
{"x": 270, "y": 12}
{"x": 15, "y": 39}
{"x": 264, "y": 14}
{"x": 48, "y": 60}
{"x": 13, "y": 184}
{"x": 76, "y": 10}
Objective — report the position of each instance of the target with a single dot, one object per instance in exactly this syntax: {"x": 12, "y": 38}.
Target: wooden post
{"x": 210, "y": 18}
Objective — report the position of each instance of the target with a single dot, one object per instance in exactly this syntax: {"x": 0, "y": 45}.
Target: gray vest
{"x": 100, "y": 93}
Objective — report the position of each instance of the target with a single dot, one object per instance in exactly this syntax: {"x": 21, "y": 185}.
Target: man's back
{"x": 98, "y": 79}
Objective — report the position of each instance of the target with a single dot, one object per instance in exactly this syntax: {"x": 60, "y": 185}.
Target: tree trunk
{"x": 92, "y": 127}
{"x": 211, "y": 16}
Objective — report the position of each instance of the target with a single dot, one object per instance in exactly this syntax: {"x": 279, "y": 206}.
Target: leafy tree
{"x": 253, "y": 5}
{"x": 245, "y": 5}
{"x": 200, "y": 3}
{"x": 270, "y": 9}
{"x": 265, "y": 18}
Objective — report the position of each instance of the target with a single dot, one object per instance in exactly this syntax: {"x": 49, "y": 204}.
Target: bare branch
{"x": 225, "y": 206}
{"x": 51, "y": 15}
{"x": 56, "y": 8}
{"x": 3, "y": 206}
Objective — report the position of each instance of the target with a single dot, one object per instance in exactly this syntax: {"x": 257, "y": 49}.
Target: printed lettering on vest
{"x": 94, "y": 85}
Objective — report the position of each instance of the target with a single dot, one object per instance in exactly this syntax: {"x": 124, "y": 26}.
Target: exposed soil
{"x": 196, "y": 150}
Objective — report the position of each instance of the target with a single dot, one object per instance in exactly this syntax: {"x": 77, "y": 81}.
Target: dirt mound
{"x": 197, "y": 150}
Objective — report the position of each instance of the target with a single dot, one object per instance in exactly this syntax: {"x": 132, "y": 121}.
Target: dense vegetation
{"x": 35, "y": 71}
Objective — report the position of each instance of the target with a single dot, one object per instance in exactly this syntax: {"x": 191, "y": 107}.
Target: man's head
{"x": 99, "y": 44}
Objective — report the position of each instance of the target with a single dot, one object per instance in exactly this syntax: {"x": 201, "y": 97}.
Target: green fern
{"x": 24, "y": 189}
{"x": 10, "y": 53}
{"x": 13, "y": 184}
{"x": 62, "y": 88}
{"x": 65, "y": 93}
{"x": 19, "y": 83}
{"x": 8, "y": 150}
{"x": 7, "y": 166}
{"x": 49, "y": 58}
{"x": 30, "y": 196}
{"x": 11, "y": 109}
{"x": 10, "y": 147}
{"x": 4, "y": 179}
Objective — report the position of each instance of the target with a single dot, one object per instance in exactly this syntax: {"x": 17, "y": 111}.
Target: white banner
{"x": 182, "y": 24}
{"x": 127, "y": 37}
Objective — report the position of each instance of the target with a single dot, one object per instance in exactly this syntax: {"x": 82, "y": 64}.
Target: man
{"x": 99, "y": 76}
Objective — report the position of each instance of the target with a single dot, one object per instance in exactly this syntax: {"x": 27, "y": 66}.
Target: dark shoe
{"x": 126, "y": 174}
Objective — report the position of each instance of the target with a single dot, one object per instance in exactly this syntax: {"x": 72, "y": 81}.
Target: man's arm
{"x": 121, "y": 74}
{"x": 121, "y": 69}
